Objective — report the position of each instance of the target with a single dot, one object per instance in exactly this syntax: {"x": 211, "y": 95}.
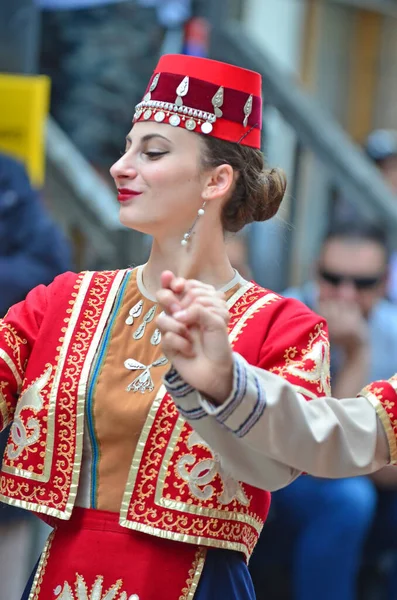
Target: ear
{"x": 218, "y": 183}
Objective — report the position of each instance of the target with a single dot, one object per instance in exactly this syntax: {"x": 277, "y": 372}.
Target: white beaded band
{"x": 191, "y": 117}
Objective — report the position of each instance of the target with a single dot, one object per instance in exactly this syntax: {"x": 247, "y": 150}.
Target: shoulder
{"x": 287, "y": 306}
{"x": 384, "y": 317}
{"x": 68, "y": 281}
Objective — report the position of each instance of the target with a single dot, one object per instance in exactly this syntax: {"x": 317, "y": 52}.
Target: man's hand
{"x": 347, "y": 327}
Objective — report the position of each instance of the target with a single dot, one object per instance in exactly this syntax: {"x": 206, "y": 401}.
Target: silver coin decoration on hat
{"x": 247, "y": 110}
{"x": 217, "y": 102}
{"x": 153, "y": 86}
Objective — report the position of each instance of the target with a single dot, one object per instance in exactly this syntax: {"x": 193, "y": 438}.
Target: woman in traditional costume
{"x": 153, "y": 458}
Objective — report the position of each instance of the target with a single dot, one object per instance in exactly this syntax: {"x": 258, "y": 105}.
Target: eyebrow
{"x": 148, "y": 137}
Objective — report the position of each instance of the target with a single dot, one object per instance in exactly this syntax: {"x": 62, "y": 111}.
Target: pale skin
{"x": 163, "y": 164}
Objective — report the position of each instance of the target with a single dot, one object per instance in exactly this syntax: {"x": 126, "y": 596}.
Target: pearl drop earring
{"x": 188, "y": 234}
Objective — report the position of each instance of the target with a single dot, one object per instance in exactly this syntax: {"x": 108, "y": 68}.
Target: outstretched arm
{"x": 250, "y": 414}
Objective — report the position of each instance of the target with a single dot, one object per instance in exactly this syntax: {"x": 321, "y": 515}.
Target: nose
{"x": 347, "y": 291}
{"x": 123, "y": 168}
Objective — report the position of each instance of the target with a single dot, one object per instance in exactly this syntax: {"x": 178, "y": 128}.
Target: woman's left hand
{"x": 195, "y": 336}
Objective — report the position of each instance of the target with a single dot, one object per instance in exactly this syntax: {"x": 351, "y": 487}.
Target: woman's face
{"x": 158, "y": 178}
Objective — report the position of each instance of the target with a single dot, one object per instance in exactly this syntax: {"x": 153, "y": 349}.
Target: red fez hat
{"x": 205, "y": 96}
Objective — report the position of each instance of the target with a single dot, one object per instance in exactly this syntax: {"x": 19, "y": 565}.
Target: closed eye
{"x": 155, "y": 155}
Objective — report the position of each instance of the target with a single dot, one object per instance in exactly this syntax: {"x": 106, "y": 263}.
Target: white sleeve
{"x": 267, "y": 433}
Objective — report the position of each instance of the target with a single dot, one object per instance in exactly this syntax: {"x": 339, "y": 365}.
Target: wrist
{"x": 357, "y": 352}
{"x": 222, "y": 386}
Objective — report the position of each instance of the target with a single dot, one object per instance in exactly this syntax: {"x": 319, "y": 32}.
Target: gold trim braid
{"x": 194, "y": 575}
{"x": 82, "y": 388}
{"x": 249, "y": 313}
{"x": 385, "y": 420}
{"x": 10, "y": 363}
{"x": 39, "y": 576}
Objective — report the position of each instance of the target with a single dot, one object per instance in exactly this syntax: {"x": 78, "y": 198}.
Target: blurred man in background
{"x": 329, "y": 520}
{"x": 33, "y": 250}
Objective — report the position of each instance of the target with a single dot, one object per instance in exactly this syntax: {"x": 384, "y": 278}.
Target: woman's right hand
{"x": 195, "y": 335}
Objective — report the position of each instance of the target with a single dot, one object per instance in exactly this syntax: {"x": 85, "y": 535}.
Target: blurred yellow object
{"x": 24, "y": 105}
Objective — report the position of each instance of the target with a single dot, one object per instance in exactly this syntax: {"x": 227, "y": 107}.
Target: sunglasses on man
{"x": 360, "y": 283}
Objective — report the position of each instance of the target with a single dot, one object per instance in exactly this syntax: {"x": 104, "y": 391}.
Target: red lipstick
{"x": 124, "y": 194}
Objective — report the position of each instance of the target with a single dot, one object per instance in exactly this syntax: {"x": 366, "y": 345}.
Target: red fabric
{"x": 288, "y": 339}
{"x": 93, "y": 544}
{"x": 40, "y": 323}
{"x": 200, "y": 95}
{"x": 212, "y": 71}
{"x": 205, "y": 78}
{"x": 386, "y": 393}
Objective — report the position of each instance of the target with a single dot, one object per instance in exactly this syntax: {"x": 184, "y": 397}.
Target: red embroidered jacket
{"x": 47, "y": 346}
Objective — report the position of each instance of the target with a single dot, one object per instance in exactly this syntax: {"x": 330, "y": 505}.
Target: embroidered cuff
{"x": 245, "y": 405}
{"x": 239, "y": 413}
{"x": 383, "y": 397}
{"x": 176, "y": 386}
{"x": 180, "y": 390}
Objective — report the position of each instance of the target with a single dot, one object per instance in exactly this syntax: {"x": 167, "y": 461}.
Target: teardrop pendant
{"x": 134, "y": 312}
{"x": 156, "y": 338}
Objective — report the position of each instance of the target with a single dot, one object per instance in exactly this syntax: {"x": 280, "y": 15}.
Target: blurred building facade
{"x": 344, "y": 54}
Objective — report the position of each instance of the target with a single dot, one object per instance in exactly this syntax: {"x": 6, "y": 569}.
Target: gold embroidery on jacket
{"x": 65, "y": 592}
{"x": 204, "y": 472}
{"x": 243, "y": 314}
{"x": 4, "y": 409}
{"x": 311, "y": 364}
{"x": 15, "y": 343}
{"x": 76, "y": 353}
{"x": 13, "y": 360}
{"x": 204, "y": 525}
{"x": 41, "y": 568}
{"x": 375, "y": 394}
{"x": 205, "y": 522}
{"x": 26, "y": 434}
{"x": 195, "y": 572}
{"x": 13, "y": 368}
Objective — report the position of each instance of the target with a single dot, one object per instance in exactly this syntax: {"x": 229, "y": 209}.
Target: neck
{"x": 204, "y": 258}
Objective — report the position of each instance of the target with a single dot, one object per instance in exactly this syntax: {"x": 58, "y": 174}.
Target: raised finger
{"x": 197, "y": 294}
{"x": 197, "y": 315}
{"x": 168, "y": 301}
{"x": 168, "y": 324}
{"x": 216, "y": 305}
{"x": 167, "y": 278}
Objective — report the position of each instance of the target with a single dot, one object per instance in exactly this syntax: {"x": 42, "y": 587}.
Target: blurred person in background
{"x": 330, "y": 519}
{"x": 32, "y": 251}
{"x": 93, "y": 90}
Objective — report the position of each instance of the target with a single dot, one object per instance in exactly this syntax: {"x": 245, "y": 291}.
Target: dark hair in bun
{"x": 258, "y": 192}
